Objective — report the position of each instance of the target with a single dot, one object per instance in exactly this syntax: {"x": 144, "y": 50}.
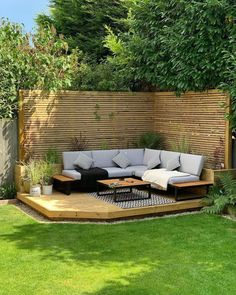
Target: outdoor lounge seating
{"x": 139, "y": 162}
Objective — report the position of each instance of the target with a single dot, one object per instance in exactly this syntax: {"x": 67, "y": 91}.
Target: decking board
{"x": 80, "y": 206}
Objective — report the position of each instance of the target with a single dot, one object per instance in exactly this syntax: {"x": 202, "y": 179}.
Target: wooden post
{"x": 228, "y": 138}
{"x": 21, "y": 152}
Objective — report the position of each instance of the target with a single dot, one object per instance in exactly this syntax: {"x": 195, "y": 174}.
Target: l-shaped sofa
{"x": 139, "y": 159}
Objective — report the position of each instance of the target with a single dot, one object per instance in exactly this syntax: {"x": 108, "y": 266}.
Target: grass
{"x": 192, "y": 254}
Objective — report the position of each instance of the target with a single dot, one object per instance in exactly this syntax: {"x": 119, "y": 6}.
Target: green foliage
{"x": 150, "y": 140}
{"x": 83, "y": 22}
{"x": 52, "y": 156}
{"x": 229, "y": 83}
{"x": 32, "y": 61}
{"x": 47, "y": 172}
{"x": 100, "y": 77}
{"x": 176, "y": 45}
{"x": 96, "y": 112}
{"x": 105, "y": 145}
{"x": 181, "y": 145}
{"x": 221, "y": 195}
{"x": 111, "y": 116}
{"x": 33, "y": 172}
{"x": 8, "y": 191}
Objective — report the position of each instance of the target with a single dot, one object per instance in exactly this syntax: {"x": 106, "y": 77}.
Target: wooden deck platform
{"x": 80, "y": 206}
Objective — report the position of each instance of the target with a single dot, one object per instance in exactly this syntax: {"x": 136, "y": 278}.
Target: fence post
{"x": 8, "y": 149}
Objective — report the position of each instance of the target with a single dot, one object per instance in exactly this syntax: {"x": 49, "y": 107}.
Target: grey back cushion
{"x": 103, "y": 158}
{"x": 166, "y": 156}
{"x": 70, "y": 157}
{"x": 121, "y": 160}
{"x": 134, "y": 155}
{"x": 191, "y": 164}
{"x": 150, "y": 154}
{"x": 173, "y": 164}
{"x": 83, "y": 161}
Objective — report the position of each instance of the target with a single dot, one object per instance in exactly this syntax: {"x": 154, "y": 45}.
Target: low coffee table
{"x": 116, "y": 184}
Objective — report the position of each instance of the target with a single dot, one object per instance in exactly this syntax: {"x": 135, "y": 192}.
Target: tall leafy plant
{"x": 150, "y": 140}
{"x": 176, "y": 45}
{"x": 221, "y": 196}
{"x": 83, "y": 23}
{"x": 32, "y": 61}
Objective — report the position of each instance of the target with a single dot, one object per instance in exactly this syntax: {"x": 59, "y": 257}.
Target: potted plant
{"x": 48, "y": 171}
{"x": 52, "y": 157}
{"x": 33, "y": 175}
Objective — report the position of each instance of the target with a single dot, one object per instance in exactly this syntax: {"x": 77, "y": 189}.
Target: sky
{"x": 23, "y": 11}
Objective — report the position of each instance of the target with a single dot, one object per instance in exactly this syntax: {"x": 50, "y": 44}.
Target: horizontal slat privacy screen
{"x": 196, "y": 116}
{"x": 117, "y": 119}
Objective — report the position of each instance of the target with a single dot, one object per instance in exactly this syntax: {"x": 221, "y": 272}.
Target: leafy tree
{"x": 176, "y": 45}
{"x": 100, "y": 77}
{"x": 83, "y": 22}
{"x": 37, "y": 61}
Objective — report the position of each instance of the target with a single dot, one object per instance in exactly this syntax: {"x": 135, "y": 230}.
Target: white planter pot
{"x": 35, "y": 191}
{"x": 47, "y": 190}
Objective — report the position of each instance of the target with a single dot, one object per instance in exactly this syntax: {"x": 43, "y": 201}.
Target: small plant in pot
{"x": 52, "y": 157}
{"x": 48, "y": 171}
{"x": 33, "y": 175}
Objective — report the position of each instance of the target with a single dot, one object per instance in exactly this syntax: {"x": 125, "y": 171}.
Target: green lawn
{"x": 194, "y": 254}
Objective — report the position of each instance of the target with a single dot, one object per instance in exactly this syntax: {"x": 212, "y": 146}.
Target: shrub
{"x": 181, "y": 145}
{"x": 150, "y": 140}
{"x": 8, "y": 191}
{"x": 221, "y": 195}
{"x": 52, "y": 156}
{"x": 176, "y": 45}
{"x": 100, "y": 77}
{"x": 32, "y": 61}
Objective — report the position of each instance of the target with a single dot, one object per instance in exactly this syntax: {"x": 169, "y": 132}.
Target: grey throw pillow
{"x": 83, "y": 161}
{"x": 152, "y": 163}
{"x": 121, "y": 160}
{"x": 172, "y": 164}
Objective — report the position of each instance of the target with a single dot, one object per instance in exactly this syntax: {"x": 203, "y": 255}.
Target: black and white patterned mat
{"x": 136, "y": 194}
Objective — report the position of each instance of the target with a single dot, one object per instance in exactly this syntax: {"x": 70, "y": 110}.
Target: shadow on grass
{"x": 136, "y": 258}
{"x": 90, "y": 243}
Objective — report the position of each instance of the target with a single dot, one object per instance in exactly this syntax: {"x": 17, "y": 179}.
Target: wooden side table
{"x": 182, "y": 185}
{"x": 62, "y": 183}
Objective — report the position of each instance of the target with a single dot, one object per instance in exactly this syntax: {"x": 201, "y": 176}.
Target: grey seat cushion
{"x": 133, "y": 169}
{"x": 166, "y": 156}
{"x": 72, "y": 174}
{"x": 191, "y": 164}
{"x": 150, "y": 154}
{"x": 118, "y": 172}
{"x": 188, "y": 178}
{"x": 103, "y": 158}
{"x": 134, "y": 155}
{"x": 140, "y": 171}
{"x": 70, "y": 157}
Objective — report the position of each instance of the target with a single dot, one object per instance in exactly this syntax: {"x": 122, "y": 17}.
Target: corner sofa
{"x": 139, "y": 159}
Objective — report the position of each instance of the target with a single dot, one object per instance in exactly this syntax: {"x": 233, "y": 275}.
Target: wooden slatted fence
{"x": 198, "y": 117}
{"x": 117, "y": 119}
